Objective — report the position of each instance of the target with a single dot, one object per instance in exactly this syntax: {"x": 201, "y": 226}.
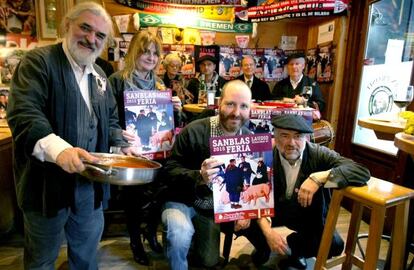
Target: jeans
{"x": 81, "y": 224}
{"x": 180, "y": 223}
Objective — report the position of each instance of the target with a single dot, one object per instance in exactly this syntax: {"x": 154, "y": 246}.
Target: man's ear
{"x": 67, "y": 25}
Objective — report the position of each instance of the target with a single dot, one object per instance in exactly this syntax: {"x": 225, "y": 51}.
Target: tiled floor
{"x": 114, "y": 252}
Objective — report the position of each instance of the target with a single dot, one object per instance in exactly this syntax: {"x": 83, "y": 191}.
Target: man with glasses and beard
{"x": 189, "y": 207}
{"x": 61, "y": 107}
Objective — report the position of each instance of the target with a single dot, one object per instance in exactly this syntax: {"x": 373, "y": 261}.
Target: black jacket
{"x": 260, "y": 89}
{"x": 285, "y": 89}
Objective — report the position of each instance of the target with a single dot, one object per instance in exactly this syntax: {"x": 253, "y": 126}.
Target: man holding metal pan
{"x": 61, "y": 107}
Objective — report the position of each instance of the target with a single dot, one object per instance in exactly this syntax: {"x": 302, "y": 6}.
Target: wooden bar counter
{"x": 7, "y": 190}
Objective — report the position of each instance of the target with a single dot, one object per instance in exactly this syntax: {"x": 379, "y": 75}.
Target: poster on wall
{"x": 269, "y": 62}
{"x": 311, "y": 63}
{"x": 272, "y": 10}
{"x": 230, "y": 63}
{"x": 325, "y": 63}
{"x": 378, "y": 84}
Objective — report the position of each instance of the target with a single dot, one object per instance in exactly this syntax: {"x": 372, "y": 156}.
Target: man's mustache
{"x": 87, "y": 44}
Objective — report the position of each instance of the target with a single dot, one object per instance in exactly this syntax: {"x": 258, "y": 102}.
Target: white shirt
{"x": 295, "y": 84}
{"x": 291, "y": 173}
{"x": 49, "y": 147}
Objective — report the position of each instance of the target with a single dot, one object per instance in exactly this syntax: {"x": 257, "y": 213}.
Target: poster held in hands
{"x": 149, "y": 116}
{"x": 243, "y": 188}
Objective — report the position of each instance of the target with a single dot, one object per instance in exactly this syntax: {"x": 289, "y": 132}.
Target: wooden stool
{"x": 378, "y": 195}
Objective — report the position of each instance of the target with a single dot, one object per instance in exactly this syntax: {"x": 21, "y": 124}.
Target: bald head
{"x": 234, "y": 108}
{"x": 237, "y": 86}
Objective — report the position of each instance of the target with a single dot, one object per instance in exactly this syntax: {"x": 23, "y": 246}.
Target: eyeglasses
{"x": 86, "y": 28}
{"x": 174, "y": 66}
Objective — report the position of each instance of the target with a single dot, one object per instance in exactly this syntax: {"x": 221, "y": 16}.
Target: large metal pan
{"x": 121, "y": 170}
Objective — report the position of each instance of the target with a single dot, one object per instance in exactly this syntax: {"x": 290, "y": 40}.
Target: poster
{"x": 149, "y": 116}
{"x": 243, "y": 188}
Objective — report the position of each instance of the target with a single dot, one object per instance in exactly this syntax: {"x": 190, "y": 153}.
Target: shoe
{"x": 153, "y": 242}
{"x": 139, "y": 254}
{"x": 295, "y": 262}
{"x": 237, "y": 206}
{"x": 259, "y": 257}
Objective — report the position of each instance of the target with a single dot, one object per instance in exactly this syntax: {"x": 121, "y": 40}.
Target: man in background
{"x": 260, "y": 89}
{"x": 291, "y": 88}
{"x": 207, "y": 65}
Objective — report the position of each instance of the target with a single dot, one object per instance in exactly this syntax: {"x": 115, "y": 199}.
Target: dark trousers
{"x": 141, "y": 207}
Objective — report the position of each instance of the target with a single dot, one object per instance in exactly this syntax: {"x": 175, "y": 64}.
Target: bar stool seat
{"x": 377, "y": 195}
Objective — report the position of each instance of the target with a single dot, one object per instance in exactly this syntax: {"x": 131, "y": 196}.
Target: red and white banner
{"x": 139, "y": 3}
{"x": 296, "y": 9}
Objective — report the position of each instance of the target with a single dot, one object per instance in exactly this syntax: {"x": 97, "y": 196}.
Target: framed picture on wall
{"x": 47, "y": 18}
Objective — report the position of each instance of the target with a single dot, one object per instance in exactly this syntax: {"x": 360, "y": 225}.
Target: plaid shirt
{"x": 215, "y": 131}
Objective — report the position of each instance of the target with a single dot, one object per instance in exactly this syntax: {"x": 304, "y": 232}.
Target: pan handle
{"x": 108, "y": 172}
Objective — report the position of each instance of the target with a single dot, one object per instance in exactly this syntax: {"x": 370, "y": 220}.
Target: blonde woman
{"x": 141, "y": 62}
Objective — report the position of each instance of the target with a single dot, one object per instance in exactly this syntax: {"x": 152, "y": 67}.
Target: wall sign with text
{"x": 289, "y": 9}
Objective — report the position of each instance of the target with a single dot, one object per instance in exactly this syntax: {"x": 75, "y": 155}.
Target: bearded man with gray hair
{"x": 61, "y": 108}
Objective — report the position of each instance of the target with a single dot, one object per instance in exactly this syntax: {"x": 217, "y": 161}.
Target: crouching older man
{"x": 303, "y": 173}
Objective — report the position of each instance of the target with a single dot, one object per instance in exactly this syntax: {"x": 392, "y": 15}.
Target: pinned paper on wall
{"x": 288, "y": 42}
{"x": 167, "y": 35}
{"x": 207, "y": 37}
{"x": 192, "y": 36}
{"x": 122, "y": 22}
{"x": 326, "y": 32}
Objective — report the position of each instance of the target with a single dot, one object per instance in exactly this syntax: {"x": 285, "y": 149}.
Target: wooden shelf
{"x": 403, "y": 143}
{"x": 384, "y": 127}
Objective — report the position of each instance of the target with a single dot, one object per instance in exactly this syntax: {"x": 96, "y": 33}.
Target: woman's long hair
{"x": 139, "y": 45}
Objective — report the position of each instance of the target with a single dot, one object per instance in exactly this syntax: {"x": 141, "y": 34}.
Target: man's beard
{"x": 82, "y": 56}
{"x": 224, "y": 118}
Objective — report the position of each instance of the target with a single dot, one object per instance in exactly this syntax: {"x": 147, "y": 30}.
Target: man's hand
{"x": 129, "y": 137}
{"x": 208, "y": 170}
{"x": 316, "y": 114}
{"x": 299, "y": 100}
{"x": 176, "y": 101}
{"x": 241, "y": 224}
{"x": 306, "y": 192}
{"x": 277, "y": 242}
{"x": 130, "y": 151}
{"x": 70, "y": 159}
